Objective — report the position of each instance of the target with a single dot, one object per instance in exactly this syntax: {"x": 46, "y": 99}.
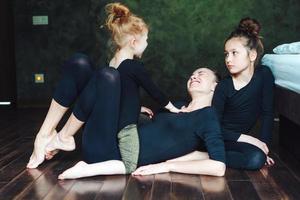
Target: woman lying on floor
{"x": 168, "y": 136}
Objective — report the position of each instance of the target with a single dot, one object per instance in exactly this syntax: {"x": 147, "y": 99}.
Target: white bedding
{"x": 285, "y": 68}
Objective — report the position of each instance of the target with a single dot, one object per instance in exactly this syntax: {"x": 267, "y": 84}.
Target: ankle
{"x": 65, "y": 138}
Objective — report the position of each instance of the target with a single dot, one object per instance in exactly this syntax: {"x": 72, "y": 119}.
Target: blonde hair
{"x": 122, "y": 23}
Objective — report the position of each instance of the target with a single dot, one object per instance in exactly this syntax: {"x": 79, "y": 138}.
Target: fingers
{"x": 270, "y": 161}
{"x": 147, "y": 111}
{"x": 144, "y": 170}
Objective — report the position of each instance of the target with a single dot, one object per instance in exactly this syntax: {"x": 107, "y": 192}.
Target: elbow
{"x": 220, "y": 169}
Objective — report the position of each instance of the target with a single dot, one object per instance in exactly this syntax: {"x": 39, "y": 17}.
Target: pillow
{"x": 292, "y": 48}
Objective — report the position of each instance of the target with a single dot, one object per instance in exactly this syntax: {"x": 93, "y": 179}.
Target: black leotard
{"x": 133, "y": 75}
{"x": 172, "y": 135}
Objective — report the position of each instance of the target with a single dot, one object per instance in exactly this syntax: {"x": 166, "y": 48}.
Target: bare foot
{"x": 77, "y": 171}
{"x": 38, "y": 154}
{"x": 57, "y": 143}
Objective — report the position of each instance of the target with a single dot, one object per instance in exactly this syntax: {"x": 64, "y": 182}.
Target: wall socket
{"x": 39, "y": 78}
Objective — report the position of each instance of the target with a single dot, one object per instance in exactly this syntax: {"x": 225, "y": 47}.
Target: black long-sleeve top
{"x": 133, "y": 75}
{"x": 239, "y": 110}
{"x": 172, "y": 135}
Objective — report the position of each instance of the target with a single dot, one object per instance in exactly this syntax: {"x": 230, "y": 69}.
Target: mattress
{"x": 285, "y": 68}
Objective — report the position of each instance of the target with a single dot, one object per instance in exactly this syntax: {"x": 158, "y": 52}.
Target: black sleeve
{"x": 145, "y": 81}
{"x": 218, "y": 103}
{"x": 267, "y": 106}
{"x": 213, "y": 139}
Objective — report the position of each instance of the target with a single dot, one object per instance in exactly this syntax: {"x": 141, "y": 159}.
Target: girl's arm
{"x": 254, "y": 141}
{"x": 146, "y": 82}
{"x": 218, "y": 103}
{"x": 267, "y": 106}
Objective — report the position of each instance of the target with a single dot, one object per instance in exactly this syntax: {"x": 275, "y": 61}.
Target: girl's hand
{"x": 172, "y": 108}
{"x": 184, "y": 109}
{"x": 269, "y": 161}
{"x": 152, "y": 169}
{"x": 254, "y": 141}
{"x": 147, "y": 111}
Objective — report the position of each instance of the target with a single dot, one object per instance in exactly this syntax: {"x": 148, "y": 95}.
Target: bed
{"x": 286, "y": 70}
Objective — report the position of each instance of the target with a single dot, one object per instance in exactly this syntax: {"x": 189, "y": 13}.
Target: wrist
{"x": 169, "y": 166}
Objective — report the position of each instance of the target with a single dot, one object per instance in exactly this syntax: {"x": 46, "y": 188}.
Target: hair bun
{"x": 117, "y": 11}
{"x": 251, "y": 26}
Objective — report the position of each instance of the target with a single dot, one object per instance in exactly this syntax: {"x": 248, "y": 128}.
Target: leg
{"x": 99, "y": 108}
{"x": 82, "y": 169}
{"x": 46, "y": 133}
{"x": 240, "y": 155}
{"x": 75, "y": 75}
{"x": 100, "y": 145}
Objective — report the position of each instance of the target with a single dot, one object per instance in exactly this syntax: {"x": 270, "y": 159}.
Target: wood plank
{"x": 185, "y": 186}
{"x": 84, "y": 189}
{"x": 12, "y": 152}
{"x": 236, "y": 175}
{"x": 282, "y": 180}
{"x": 215, "y": 187}
{"x": 242, "y": 190}
{"x": 139, "y": 187}
{"x": 262, "y": 185}
{"x": 113, "y": 187}
{"x": 162, "y": 186}
{"x": 47, "y": 181}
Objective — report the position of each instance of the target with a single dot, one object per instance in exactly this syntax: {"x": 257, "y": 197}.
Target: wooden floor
{"x": 17, "y": 130}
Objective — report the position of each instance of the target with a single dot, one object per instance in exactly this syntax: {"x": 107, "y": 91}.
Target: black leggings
{"x": 97, "y": 96}
{"x": 240, "y": 155}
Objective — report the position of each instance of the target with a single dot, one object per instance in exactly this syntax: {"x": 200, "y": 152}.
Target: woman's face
{"x": 140, "y": 44}
{"x": 237, "y": 57}
{"x": 202, "y": 80}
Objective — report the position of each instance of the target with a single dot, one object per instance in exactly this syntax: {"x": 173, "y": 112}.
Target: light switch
{"x": 39, "y": 78}
{"x": 40, "y": 20}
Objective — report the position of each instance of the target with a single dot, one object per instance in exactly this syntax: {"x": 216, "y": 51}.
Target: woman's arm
{"x": 205, "y": 167}
{"x": 195, "y": 155}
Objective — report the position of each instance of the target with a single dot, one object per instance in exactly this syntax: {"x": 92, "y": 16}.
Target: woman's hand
{"x": 148, "y": 111}
{"x": 254, "y": 141}
{"x": 152, "y": 169}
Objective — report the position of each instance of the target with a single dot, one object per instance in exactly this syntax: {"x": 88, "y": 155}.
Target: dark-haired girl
{"x": 245, "y": 96}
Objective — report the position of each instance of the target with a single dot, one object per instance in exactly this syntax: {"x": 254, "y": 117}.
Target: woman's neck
{"x": 199, "y": 102}
{"x": 120, "y": 56}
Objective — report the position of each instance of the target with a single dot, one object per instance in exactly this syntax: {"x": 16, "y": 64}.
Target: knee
{"x": 79, "y": 62}
{"x": 256, "y": 160}
{"x": 109, "y": 74}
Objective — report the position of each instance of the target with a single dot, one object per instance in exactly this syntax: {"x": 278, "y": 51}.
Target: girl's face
{"x": 140, "y": 44}
{"x": 237, "y": 57}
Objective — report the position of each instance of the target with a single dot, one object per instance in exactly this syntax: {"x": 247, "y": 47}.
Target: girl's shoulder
{"x": 225, "y": 83}
{"x": 264, "y": 71}
{"x": 132, "y": 63}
